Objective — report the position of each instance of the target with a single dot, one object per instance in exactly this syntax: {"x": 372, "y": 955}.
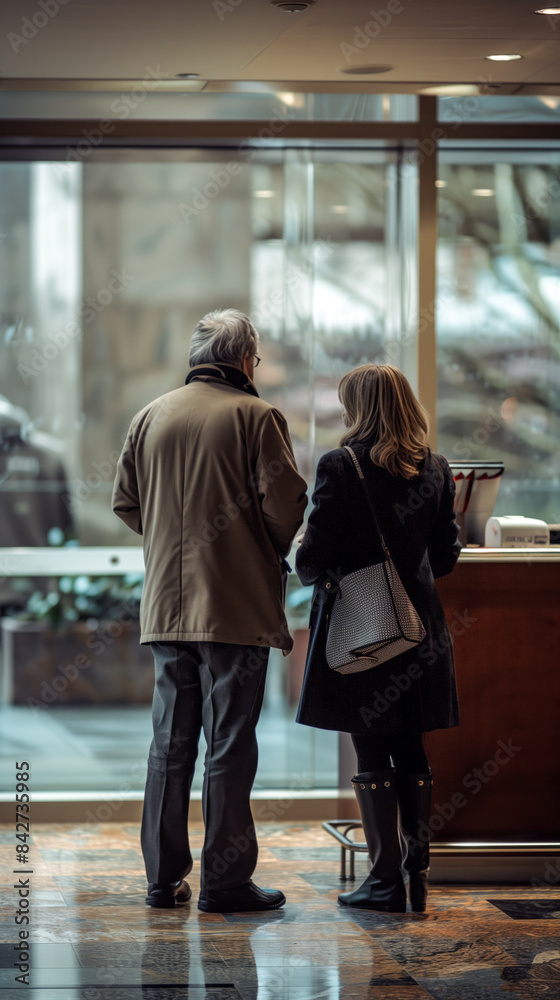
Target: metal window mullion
{"x": 427, "y": 249}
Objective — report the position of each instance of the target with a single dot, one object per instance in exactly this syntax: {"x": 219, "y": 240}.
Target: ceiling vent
{"x": 292, "y": 8}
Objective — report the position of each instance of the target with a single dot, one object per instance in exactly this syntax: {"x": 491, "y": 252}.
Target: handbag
{"x": 372, "y": 618}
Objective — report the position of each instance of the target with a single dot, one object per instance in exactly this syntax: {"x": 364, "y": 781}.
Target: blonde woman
{"x": 387, "y": 708}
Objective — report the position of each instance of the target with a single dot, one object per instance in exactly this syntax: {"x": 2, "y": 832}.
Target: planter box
{"x": 77, "y": 666}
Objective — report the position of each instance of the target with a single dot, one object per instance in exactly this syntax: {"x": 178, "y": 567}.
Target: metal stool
{"x": 339, "y": 829}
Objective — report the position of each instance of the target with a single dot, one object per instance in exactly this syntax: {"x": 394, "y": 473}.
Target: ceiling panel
{"x": 121, "y": 39}
{"x": 250, "y": 39}
{"x": 458, "y": 60}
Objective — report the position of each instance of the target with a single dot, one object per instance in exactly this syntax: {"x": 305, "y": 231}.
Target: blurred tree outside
{"x": 498, "y": 322}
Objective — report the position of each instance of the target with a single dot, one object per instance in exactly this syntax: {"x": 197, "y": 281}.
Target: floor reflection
{"x": 92, "y": 937}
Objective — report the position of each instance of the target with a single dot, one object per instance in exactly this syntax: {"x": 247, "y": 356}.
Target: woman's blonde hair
{"x": 380, "y": 407}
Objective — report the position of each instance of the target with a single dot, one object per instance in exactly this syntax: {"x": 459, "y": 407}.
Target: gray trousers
{"x": 219, "y": 687}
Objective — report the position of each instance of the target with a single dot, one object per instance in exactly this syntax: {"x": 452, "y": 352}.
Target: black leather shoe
{"x": 246, "y": 898}
{"x": 165, "y": 895}
{"x": 372, "y": 895}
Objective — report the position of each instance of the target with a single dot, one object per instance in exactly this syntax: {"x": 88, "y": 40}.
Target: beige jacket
{"x": 207, "y": 476}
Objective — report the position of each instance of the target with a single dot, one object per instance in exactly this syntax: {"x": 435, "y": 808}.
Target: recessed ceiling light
{"x": 509, "y": 57}
{"x": 483, "y": 192}
{"x": 366, "y": 70}
{"x": 339, "y": 209}
{"x": 188, "y": 76}
{"x": 550, "y": 102}
{"x": 441, "y": 184}
{"x": 292, "y": 100}
{"x": 548, "y": 10}
{"x": 450, "y": 90}
{"x": 292, "y": 8}
{"x": 264, "y": 194}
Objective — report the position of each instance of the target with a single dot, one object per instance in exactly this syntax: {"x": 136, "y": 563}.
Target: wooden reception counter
{"x": 496, "y": 776}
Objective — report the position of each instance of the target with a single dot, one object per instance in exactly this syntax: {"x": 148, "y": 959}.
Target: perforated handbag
{"x": 372, "y": 618}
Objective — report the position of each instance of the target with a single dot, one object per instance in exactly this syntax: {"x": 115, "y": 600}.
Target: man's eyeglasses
{"x": 256, "y": 360}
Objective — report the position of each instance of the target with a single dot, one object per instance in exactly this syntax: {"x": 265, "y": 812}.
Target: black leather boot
{"x": 415, "y": 797}
{"x": 384, "y": 887}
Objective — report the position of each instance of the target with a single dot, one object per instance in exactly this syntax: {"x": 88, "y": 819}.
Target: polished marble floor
{"x": 92, "y": 937}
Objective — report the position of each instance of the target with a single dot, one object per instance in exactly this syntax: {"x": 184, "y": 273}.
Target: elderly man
{"x": 207, "y": 476}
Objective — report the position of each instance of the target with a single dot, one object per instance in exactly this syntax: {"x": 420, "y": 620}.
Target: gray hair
{"x": 225, "y": 335}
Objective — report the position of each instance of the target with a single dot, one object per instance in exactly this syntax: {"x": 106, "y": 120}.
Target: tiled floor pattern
{"x": 92, "y": 937}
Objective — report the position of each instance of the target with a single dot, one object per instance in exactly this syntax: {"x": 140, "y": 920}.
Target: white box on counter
{"x": 513, "y": 531}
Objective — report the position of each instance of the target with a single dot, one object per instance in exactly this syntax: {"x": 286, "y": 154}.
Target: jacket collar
{"x": 219, "y": 371}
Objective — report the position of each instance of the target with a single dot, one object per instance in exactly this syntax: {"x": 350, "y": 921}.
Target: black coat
{"x": 413, "y": 691}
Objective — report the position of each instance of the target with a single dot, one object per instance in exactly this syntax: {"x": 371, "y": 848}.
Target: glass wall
{"x": 477, "y": 107}
{"x": 105, "y": 268}
{"x": 106, "y": 264}
{"x": 498, "y": 320}
{"x": 248, "y": 102}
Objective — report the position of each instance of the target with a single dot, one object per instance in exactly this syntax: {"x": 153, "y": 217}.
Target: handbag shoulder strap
{"x": 368, "y": 498}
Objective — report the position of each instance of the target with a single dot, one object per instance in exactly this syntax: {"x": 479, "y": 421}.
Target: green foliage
{"x": 83, "y": 598}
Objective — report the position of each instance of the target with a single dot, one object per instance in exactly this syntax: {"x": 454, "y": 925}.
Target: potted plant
{"x": 76, "y": 641}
